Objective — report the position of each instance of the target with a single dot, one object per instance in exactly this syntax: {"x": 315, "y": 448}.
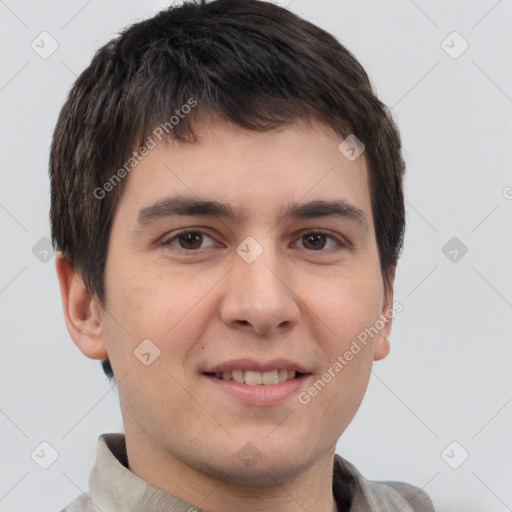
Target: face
{"x": 273, "y": 291}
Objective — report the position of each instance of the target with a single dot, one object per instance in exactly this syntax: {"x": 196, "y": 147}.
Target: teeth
{"x": 256, "y": 378}
{"x": 270, "y": 377}
{"x": 253, "y": 378}
{"x": 238, "y": 376}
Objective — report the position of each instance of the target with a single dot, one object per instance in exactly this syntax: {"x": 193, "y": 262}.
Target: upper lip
{"x": 257, "y": 365}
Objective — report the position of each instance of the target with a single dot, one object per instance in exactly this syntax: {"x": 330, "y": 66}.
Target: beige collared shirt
{"x": 114, "y": 488}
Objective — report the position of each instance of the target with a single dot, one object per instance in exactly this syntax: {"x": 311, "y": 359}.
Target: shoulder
{"x": 81, "y": 504}
{"x": 416, "y": 499}
{"x": 381, "y": 496}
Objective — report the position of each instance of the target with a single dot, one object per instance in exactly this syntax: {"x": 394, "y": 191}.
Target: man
{"x": 227, "y": 205}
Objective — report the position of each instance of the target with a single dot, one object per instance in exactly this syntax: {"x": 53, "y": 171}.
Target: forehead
{"x": 265, "y": 171}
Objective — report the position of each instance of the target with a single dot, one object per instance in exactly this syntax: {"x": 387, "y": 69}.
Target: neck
{"x": 309, "y": 489}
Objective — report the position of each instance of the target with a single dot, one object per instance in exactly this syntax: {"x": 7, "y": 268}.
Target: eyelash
{"x": 341, "y": 244}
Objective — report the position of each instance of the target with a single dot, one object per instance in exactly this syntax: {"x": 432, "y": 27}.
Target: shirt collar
{"x": 114, "y": 488}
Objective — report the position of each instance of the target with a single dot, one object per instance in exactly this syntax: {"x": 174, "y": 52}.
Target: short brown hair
{"x": 250, "y": 62}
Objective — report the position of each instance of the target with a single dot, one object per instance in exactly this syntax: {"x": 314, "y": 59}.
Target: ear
{"x": 82, "y": 312}
{"x": 382, "y": 346}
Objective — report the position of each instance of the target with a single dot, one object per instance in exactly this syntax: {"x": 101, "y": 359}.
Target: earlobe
{"x": 382, "y": 348}
{"x": 82, "y": 313}
{"x": 382, "y": 345}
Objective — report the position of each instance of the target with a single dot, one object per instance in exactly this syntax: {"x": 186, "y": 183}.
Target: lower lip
{"x": 260, "y": 394}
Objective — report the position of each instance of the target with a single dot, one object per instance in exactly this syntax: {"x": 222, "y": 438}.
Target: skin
{"x": 295, "y": 301}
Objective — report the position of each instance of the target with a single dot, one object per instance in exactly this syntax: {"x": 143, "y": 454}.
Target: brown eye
{"x": 191, "y": 240}
{"x": 314, "y": 241}
{"x": 188, "y": 240}
{"x": 317, "y": 241}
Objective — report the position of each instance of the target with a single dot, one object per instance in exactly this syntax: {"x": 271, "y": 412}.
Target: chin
{"x": 259, "y": 471}
{"x": 265, "y": 458}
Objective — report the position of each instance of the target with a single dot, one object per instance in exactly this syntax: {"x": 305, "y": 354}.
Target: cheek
{"x": 163, "y": 305}
{"x": 150, "y": 301}
{"x": 150, "y": 397}
{"x": 148, "y": 345}
{"x": 341, "y": 384}
{"x": 348, "y": 304}
{"x": 354, "y": 307}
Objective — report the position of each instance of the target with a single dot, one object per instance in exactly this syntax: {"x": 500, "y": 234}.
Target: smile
{"x": 253, "y": 378}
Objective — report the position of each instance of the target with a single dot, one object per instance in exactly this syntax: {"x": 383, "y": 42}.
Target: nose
{"x": 259, "y": 295}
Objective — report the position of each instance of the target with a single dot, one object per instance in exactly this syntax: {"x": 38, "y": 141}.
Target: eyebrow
{"x": 184, "y": 205}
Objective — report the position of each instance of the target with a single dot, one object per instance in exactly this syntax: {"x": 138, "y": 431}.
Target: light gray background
{"x": 448, "y": 375}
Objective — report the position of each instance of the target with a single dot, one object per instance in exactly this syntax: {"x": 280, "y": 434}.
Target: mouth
{"x": 255, "y": 378}
{"x": 257, "y": 388}
{"x": 254, "y": 382}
